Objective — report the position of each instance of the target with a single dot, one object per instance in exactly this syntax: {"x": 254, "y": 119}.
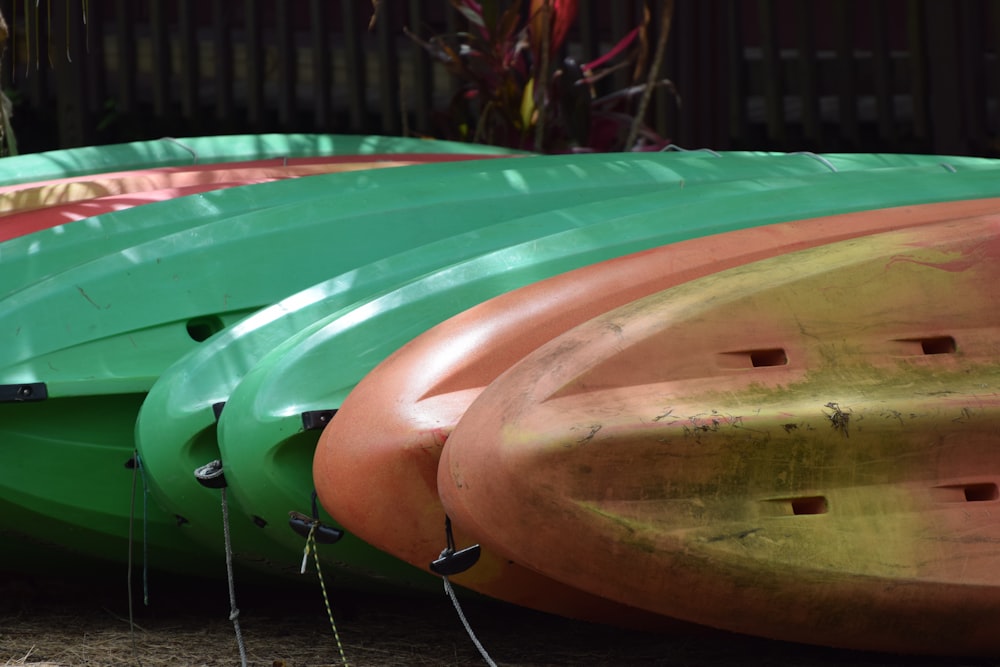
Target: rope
{"x": 131, "y": 616}
{"x": 680, "y": 149}
{"x": 468, "y": 628}
{"x": 234, "y": 613}
{"x": 311, "y": 545}
{"x": 819, "y": 158}
{"x": 145, "y": 529}
{"x": 190, "y": 150}
{"x": 448, "y": 552}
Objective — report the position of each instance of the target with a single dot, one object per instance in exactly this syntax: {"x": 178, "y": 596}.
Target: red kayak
{"x": 28, "y": 196}
{"x": 805, "y": 448}
{"x": 29, "y": 207}
{"x": 390, "y": 430}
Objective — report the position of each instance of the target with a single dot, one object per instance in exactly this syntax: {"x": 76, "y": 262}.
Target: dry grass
{"x": 51, "y": 623}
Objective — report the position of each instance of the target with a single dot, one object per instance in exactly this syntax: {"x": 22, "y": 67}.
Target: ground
{"x": 85, "y": 622}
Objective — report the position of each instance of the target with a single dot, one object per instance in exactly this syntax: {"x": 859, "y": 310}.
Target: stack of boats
{"x": 755, "y": 392}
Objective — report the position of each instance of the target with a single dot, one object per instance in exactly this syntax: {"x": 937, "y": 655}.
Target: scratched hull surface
{"x": 803, "y": 448}
{"x": 390, "y": 429}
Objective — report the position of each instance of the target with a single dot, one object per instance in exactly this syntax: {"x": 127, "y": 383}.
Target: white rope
{"x": 680, "y": 149}
{"x": 145, "y": 529}
{"x": 234, "y": 613}
{"x": 819, "y": 158}
{"x": 468, "y": 628}
{"x": 190, "y": 150}
{"x": 131, "y": 615}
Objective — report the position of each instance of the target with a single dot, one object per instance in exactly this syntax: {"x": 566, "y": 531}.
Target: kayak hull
{"x": 802, "y": 445}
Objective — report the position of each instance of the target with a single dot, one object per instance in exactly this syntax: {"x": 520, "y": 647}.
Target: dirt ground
{"x": 85, "y": 622}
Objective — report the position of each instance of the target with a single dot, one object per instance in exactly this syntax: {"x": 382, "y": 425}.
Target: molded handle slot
{"x": 753, "y": 358}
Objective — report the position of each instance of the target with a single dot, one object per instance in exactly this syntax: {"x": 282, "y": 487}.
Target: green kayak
{"x": 169, "y": 151}
{"x": 264, "y": 433}
{"x": 96, "y": 310}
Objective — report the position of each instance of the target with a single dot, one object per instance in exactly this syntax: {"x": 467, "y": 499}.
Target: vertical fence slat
{"x": 42, "y": 80}
{"x": 715, "y": 54}
{"x": 974, "y": 95}
{"x": 189, "y": 60}
{"x": 774, "y": 86}
{"x": 587, "y": 29}
{"x": 160, "y": 40}
{"x": 126, "y": 65}
{"x": 847, "y": 76}
{"x": 812, "y": 127}
{"x": 93, "y": 55}
{"x": 944, "y": 90}
{"x": 882, "y": 63}
{"x": 253, "y": 48}
{"x": 420, "y": 94}
{"x": 916, "y": 47}
{"x": 994, "y": 77}
{"x": 452, "y": 21}
{"x": 223, "y": 54}
{"x": 75, "y": 128}
{"x": 287, "y": 65}
{"x": 388, "y": 59}
{"x": 703, "y": 75}
{"x": 621, "y": 24}
{"x": 662, "y": 119}
{"x": 736, "y": 84}
{"x": 319, "y": 21}
{"x": 354, "y": 63}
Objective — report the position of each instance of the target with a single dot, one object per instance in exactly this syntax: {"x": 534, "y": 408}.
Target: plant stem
{"x": 543, "y": 76}
{"x": 666, "y": 21}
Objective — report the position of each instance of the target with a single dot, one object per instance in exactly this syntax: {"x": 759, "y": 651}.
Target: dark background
{"x": 821, "y": 75}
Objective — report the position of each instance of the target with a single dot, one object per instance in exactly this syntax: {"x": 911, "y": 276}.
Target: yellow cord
{"x": 311, "y": 545}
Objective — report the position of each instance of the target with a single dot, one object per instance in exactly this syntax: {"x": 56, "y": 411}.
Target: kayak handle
{"x": 22, "y": 393}
{"x": 450, "y": 561}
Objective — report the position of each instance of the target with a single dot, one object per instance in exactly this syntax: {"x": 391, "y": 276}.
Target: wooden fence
{"x": 823, "y": 75}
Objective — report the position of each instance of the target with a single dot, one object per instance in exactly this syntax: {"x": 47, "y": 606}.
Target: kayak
{"x": 41, "y": 207}
{"x": 389, "y": 431}
{"x": 799, "y": 448}
{"x": 263, "y": 435}
{"x": 17, "y": 224}
{"x": 58, "y": 192}
{"x": 170, "y": 151}
{"x": 102, "y": 306}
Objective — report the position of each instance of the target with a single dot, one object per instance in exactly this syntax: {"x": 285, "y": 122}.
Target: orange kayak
{"x": 39, "y": 194}
{"x": 391, "y": 428}
{"x": 803, "y": 448}
{"x": 26, "y": 208}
